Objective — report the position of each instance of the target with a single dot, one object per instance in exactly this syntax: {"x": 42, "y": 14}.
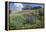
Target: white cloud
{"x": 19, "y": 6}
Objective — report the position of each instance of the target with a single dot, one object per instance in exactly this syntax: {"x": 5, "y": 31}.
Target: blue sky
{"x": 19, "y": 6}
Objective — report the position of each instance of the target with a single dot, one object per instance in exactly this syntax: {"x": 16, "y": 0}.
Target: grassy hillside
{"x": 26, "y": 19}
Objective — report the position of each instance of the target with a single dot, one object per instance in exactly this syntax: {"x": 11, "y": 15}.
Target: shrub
{"x": 17, "y": 21}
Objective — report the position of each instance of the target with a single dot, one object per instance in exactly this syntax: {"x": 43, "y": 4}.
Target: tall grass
{"x": 19, "y": 21}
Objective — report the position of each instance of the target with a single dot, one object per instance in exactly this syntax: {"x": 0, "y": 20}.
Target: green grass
{"x": 18, "y": 21}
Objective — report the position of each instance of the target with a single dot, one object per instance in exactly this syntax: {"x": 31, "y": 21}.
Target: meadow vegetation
{"x": 28, "y": 19}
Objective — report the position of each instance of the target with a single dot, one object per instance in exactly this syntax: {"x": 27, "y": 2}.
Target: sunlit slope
{"x": 25, "y": 12}
{"x": 33, "y": 11}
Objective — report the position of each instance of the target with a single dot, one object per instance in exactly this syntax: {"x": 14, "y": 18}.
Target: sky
{"x": 33, "y": 5}
{"x": 19, "y": 6}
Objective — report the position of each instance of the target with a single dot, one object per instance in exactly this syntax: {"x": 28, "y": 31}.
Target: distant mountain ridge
{"x": 31, "y": 8}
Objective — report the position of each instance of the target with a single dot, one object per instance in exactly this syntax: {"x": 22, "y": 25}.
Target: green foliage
{"x": 18, "y": 21}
